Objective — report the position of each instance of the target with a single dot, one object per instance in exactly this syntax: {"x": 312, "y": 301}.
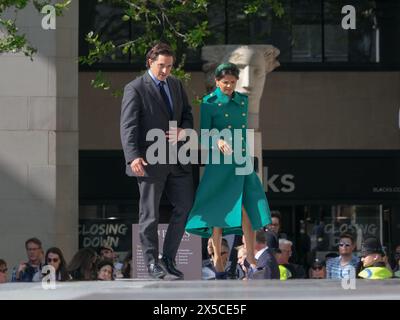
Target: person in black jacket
{"x": 267, "y": 266}
{"x": 157, "y": 102}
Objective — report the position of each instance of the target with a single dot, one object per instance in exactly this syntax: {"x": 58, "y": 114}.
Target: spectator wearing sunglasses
{"x": 317, "y": 270}
{"x": 342, "y": 266}
{"x": 54, "y": 257}
{"x": 3, "y": 271}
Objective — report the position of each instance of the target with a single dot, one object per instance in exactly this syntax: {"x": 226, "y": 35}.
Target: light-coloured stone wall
{"x": 39, "y": 139}
{"x": 99, "y": 111}
{"x": 331, "y": 110}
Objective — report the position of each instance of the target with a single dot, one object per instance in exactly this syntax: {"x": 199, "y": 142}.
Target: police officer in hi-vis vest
{"x": 372, "y": 257}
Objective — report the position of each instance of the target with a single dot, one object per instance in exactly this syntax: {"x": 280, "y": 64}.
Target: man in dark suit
{"x": 150, "y": 102}
{"x": 267, "y": 266}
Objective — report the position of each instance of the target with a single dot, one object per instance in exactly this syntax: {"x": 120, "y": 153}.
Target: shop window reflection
{"x": 324, "y": 225}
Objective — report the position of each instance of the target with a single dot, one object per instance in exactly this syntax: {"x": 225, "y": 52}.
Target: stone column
{"x": 39, "y": 138}
{"x": 254, "y": 62}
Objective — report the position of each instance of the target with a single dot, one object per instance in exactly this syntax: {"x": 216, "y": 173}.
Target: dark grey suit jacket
{"x": 143, "y": 109}
{"x": 267, "y": 266}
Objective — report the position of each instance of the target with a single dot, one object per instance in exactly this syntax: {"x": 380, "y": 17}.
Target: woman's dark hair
{"x": 83, "y": 265}
{"x": 226, "y": 69}
{"x": 62, "y": 273}
{"x": 159, "y": 49}
{"x": 104, "y": 262}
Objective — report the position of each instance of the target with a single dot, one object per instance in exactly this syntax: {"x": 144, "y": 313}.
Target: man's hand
{"x": 176, "y": 134}
{"x": 21, "y": 268}
{"x": 137, "y": 166}
{"x": 224, "y": 147}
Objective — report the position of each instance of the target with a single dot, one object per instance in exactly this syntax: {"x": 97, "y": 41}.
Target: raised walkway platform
{"x": 205, "y": 290}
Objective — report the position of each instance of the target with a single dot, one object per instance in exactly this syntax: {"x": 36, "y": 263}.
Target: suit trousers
{"x": 178, "y": 186}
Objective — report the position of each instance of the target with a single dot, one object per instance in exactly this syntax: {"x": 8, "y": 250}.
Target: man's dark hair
{"x": 271, "y": 239}
{"x": 276, "y": 214}
{"x": 347, "y": 236}
{"x": 33, "y": 240}
{"x": 2, "y": 262}
{"x": 159, "y": 49}
{"x": 261, "y": 237}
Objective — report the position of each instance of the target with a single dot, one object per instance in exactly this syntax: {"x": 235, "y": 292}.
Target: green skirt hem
{"x": 207, "y": 231}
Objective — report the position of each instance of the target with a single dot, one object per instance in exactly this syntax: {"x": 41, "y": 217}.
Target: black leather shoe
{"x": 221, "y": 275}
{"x": 156, "y": 271}
{"x": 169, "y": 265}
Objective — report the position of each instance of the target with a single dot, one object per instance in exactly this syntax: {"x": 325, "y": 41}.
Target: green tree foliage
{"x": 10, "y": 39}
{"x": 181, "y": 23}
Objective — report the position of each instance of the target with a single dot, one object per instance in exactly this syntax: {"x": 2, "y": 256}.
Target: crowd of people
{"x": 274, "y": 261}
{"x": 87, "y": 264}
{"x": 277, "y": 259}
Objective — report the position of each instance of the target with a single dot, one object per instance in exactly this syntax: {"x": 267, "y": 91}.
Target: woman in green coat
{"x": 229, "y": 199}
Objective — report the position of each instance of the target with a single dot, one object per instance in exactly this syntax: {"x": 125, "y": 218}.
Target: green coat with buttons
{"x": 228, "y": 182}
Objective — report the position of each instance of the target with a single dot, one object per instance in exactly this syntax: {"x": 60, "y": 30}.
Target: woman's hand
{"x": 224, "y": 147}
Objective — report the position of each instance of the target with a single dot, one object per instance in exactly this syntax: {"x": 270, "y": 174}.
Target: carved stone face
{"x": 252, "y": 66}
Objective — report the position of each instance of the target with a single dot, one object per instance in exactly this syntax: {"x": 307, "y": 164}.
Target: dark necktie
{"x": 166, "y": 99}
